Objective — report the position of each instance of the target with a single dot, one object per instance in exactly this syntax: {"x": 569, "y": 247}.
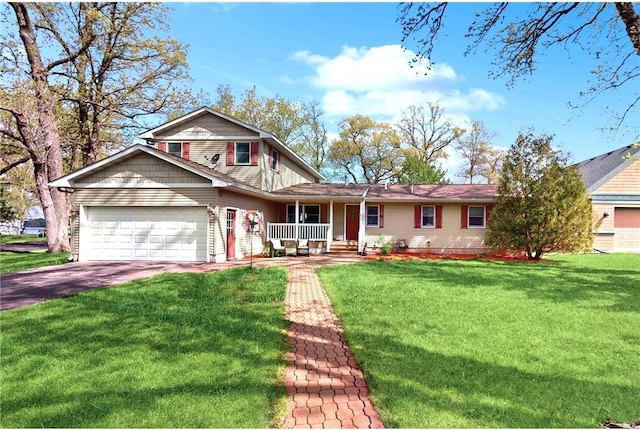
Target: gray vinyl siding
{"x": 142, "y": 169}
{"x": 144, "y": 196}
{"x": 290, "y": 172}
{"x": 241, "y": 203}
{"x": 399, "y": 224}
{"x": 206, "y": 126}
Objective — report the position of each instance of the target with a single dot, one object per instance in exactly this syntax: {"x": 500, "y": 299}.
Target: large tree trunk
{"x": 54, "y": 202}
{"x": 631, "y": 20}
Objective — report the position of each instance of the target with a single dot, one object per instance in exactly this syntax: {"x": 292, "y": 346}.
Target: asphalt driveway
{"x": 39, "y": 284}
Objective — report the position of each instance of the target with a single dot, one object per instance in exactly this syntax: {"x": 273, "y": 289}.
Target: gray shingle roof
{"x": 595, "y": 169}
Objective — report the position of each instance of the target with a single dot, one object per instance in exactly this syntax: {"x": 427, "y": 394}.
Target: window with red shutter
{"x": 254, "y": 153}
{"x": 162, "y": 146}
{"x": 185, "y": 150}
{"x": 231, "y": 153}
{"x": 439, "y": 216}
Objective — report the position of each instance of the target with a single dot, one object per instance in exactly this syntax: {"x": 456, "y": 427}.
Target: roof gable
{"x": 598, "y": 170}
{"x": 107, "y": 166}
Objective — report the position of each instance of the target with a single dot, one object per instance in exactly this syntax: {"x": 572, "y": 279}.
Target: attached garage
{"x": 144, "y": 233}
{"x": 626, "y": 222}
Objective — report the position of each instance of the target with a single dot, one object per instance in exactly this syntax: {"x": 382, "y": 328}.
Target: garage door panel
{"x": 137, "y": 233}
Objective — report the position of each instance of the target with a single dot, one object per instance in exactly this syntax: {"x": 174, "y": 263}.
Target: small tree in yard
{"x": 542, "y": 203}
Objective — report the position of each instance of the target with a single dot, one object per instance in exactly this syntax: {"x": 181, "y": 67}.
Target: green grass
{"x": 176, "y": 350}
{"x": 16, "y": 261}
{"x": 21, "y": 238}
{"x": 490, "y": 344}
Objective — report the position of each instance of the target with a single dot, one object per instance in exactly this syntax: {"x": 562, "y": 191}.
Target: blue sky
{"x": 347, "y": 56}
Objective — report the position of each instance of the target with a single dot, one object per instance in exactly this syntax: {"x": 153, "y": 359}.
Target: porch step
{"x": 340, "y": 246}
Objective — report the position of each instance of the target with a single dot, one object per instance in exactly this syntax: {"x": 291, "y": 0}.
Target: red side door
{"x": 231, "y": 234}
{"x": 352, "y": 222}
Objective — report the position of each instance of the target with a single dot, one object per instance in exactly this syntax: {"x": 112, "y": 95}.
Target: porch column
{"x": 330, "y": 230}
{"x": 297, "y": 221}
{"x": 361, "y": 227}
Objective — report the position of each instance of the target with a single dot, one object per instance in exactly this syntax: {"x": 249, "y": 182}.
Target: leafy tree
{"x": 296, "y": 124}
{"x": 92, "y": 73}
{"x": 479, "y": 158}
{"x": 7, "y": 211}
{"x": 542, "y": 203}
{"x": 521, "y": 38}
{"x": 366, "y": 150}
{"x": 428, "y": 131}
{"x": 416, "y": 171}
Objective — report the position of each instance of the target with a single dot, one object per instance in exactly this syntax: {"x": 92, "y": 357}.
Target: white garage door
{"x": 144, "y": 233}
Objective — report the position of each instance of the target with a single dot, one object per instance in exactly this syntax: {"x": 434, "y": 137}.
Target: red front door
{"x": 231, "y": 234}
{"x": 353, "y": 221}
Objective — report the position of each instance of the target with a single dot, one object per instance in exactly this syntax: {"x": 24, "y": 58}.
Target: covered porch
{"x": 320, "y": 222}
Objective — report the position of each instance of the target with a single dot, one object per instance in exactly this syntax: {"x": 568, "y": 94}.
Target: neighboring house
{"x": 613, "y": 182}
{"x": 188, "y": 195}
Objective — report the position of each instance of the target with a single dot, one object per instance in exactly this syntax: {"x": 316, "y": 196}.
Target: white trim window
{"x": 174, "y": 148}
{"x": 243, "y": 153}
{"x": 274, "y": 162}
{"x": 476, "y": 217}
{"x": 373, "y": 216}
{"x": 428, "y": 217}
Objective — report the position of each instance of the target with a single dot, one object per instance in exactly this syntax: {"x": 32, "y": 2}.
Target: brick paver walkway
{"x": 326, "y": 387}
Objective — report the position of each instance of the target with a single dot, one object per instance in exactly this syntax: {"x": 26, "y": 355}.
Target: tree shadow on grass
{"x": 134, "y": 346}
{"x": 606, "y": 288}
{"x": 482, "y": 394}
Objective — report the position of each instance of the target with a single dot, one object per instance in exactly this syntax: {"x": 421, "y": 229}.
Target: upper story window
{"x": 175, "y": 149}
{"x": 274, "y": 160}
{"x": 243, "y": 153}
{"x": 179, "y": 149}
{"x": 476, "y": 216}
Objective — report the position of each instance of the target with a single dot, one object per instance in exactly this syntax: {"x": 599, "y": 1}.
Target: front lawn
{"x": 21, "y": 238}
{"x": 492, "y": 344}
{"x": 176, "y": 350}
{"x": 17, "y": 261}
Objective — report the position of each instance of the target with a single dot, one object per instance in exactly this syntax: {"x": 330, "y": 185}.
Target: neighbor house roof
{"x": 598, "y": 170}
{"x": 396, "y": 193}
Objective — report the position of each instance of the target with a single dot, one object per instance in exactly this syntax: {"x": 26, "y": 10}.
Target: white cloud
{"x": 379, "y": 82}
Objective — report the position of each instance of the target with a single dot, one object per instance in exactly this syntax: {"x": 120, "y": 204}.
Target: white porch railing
{"x": 286, "y": 231}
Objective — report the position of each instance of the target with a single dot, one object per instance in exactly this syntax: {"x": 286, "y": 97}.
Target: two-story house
{"x": 207, "y": 187}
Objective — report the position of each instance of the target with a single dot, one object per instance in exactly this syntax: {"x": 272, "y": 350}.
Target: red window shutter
{"x": 254, "y": 153}
{"x": 381, "y": 215}
{"x": 439, "y": 216}
{"x": 464, "y": 216}
{"x": 417, "y": 216}
{"x": 162, "y": 146}
{"x": 323, "y": 214}
{"x": 270, "y": 156}
{"x": 487, "y": 212}
{"x": 231, "y": 149}
{"x": 185, "y": 150}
